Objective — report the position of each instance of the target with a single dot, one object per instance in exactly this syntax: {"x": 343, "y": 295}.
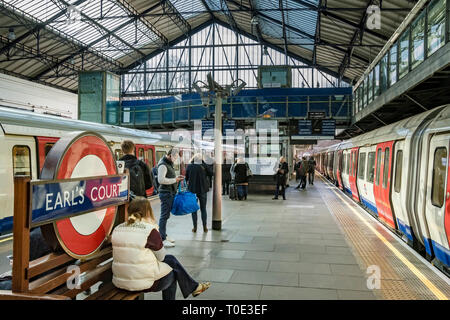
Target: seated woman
{"x": 140, "y": 261}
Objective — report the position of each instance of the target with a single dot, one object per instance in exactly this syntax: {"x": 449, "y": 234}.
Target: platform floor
{"x": 318, "y": 244}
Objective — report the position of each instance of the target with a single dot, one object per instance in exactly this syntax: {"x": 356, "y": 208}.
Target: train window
{"x": 370, "y": 167}
{"x": 438, "y": 183}
{"x": 159, "y": 155}
{"x": 348, "y": 163}
{"x": 150, "y": 158}
{"x": 48, "y": 147}
{"x": 118, "y": 153}
{"x": 354, "y": 163}
{"x": 21, "y": 161}
{"x": 386, "y": 167}
{"x": 361, "y": 165}
{"x": 141, "y": 154}
{"x": 377, "y": 181}
{"x": 398, "y": 171}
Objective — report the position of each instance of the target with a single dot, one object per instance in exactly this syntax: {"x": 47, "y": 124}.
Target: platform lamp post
{"x": 217, "y": 92}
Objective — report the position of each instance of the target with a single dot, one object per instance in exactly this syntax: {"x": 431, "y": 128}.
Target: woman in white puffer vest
{"x": 139, "y": 259}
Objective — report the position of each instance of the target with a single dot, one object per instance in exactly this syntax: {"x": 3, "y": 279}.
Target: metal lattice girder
{"x": 91, "y": 44}
{"x": 138, "y": 16}
{"x": 275, "y": 21}
{"x": 175, "y": 16}
{"x": 37, "y": 28}
{"x": 359, "y": 31}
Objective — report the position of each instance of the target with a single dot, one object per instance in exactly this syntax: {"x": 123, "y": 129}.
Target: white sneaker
{"x": 168, "y": 244}
{"x": 170, "y": 239}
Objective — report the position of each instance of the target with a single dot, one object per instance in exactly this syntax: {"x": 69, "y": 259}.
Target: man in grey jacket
{"x": 167, "y": 180}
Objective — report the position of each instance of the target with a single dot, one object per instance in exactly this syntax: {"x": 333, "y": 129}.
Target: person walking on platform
{"x": 311, "y": 170}
{"x": 167, "y": 180}
{"x": 241, "y": 178}
{"x": 141, "y": 178}
{"x": 197, "y": 173}
{"x": 140, "y": 261}
{"x": 281, "y": 178}
{"x": 302, "y": 171}
{"x": 226, "y": 176}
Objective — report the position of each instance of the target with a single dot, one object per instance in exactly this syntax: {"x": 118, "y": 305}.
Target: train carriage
{"x": 401, "y": 174}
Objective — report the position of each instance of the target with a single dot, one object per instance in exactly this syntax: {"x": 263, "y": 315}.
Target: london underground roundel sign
{"x": 81, "y": 154}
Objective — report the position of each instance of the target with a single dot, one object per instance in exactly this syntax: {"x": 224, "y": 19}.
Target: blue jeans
{"x": 168, "y": 283}
{"x": 202, "y": 197}
{"x": 242, "y": 191}
{"x": 166, "y": 205}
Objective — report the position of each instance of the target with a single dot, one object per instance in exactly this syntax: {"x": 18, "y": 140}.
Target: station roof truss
{"x": 50, "y": 41}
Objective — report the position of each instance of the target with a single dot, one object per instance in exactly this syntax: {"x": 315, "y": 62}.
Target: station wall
{"x": 20, "y": 93}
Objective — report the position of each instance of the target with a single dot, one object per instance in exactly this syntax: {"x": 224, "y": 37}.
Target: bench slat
{"x": 46, "y": 263}
{"x": 101, "y": 292}
{"x": 53, "y": 280}
{"x": 8, "y": 295}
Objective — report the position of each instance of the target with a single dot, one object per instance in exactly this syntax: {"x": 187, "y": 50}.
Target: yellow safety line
{"x": 431, "y": 286}
{"x": 7, "y": 239}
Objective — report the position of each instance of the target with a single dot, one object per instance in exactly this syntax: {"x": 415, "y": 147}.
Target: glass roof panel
{"x": 99, "y": 19}
{"x": 189, "y": 8}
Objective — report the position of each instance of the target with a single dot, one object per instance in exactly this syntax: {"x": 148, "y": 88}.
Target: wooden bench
{"x": 28, "y": 279}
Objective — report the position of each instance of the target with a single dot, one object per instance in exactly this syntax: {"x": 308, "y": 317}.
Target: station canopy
{"x": 50, "y": 41}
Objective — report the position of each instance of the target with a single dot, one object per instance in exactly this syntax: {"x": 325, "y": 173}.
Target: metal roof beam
{"x": 86, "y": 48}
{"x": 280, "y": 2}
{"x": 100, "y": 26}
{"x": 175, "y": 16}
{"x": 37, "y": 28}
{"x": 359, "y": 31}
{"x": 290, "y": 54}
{"x": 322, "y": 42}
{"x": 258, "y": 29}
{"x": 138, "y": 16}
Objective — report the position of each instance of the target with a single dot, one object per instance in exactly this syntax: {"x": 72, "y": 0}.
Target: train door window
{"x": 354, "y": 164}
{"x": 48, "y": 147}
{"x": 377, "y": 181}
{"x": 348, "y": 163}
{"x": 150, "y": 158}
{"x": 141, "y": 154}
{"x": 438, "y": 183}
{"x": 21, "y": 161}
{"x": 386, "y": 167}
{"x": 370, "y": 167}
{"x": 159, "y": 155}
{"x": 398, "y": 171}
{"x": 118, "y": 153}
{"x": 361, "y": 165}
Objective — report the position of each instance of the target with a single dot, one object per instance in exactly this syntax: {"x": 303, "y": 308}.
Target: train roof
{"x": 22, "y": 122}
{"x": 399, "y": 130}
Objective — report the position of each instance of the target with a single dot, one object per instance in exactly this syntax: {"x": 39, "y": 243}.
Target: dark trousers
{"x": 302, "y": 183}
{"x": 166, "y": 205}
{"x": 202, "y": 197}
{"x": 283, "y": 190}
{"x": 225, "y": 187}
{"x": 311, "y": 177}
{"x": 242, "y": 191}
{"x": 168, "y": 283}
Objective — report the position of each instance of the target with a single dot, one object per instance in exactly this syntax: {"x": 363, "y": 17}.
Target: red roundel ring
{"x": 81, "y": 155}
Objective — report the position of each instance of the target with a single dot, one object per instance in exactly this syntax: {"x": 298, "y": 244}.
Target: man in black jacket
{"x": 197, "y": 173}
{"x": 140, "y": 177}
{"x": 281, "y": 178}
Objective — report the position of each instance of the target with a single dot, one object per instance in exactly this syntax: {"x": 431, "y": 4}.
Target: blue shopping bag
{"x": 185, "y": 202}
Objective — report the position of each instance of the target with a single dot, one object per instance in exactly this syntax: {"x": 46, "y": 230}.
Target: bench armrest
{"x": 9, "y": 295}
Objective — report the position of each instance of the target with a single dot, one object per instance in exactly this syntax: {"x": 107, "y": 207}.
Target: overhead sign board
{"x": 228, "y": 127}
{"x": 316, "y": 129}
{"x": 316, "y": 114}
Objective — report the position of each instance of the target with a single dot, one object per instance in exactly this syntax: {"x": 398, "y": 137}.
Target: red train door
{"x": 146, "y": 153}
{"x": 382, "y": 185}
{"x": 353, "y": 171}
{"x": 44, "y": 146}
{"x": 447, "y": 203}
{"x": 339, "y": 170}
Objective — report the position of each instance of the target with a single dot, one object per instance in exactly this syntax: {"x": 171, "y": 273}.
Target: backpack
{"x": 137, "y": 182}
